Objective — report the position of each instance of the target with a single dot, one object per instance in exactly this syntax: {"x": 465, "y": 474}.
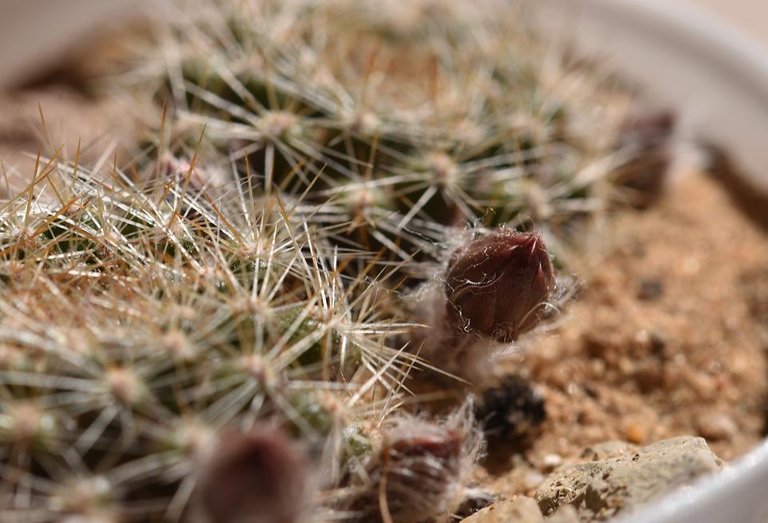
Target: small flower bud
{"x": 496, "y": 285}
{"x": 259, "y": 477}
{"x": 647, "y": 134}
{"x": 417, "y": 474}
{"x": 421, "y": 470}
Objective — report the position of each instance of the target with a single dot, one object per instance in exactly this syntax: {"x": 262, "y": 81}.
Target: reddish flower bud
{"x": 258, "y": 477}
{"x": 421, "y": 473}
{"x": 497, "y": 285}
{"x": 647, "y": 133}
{"x": 418, "y": 474}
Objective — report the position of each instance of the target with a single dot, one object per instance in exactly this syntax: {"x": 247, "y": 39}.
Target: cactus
{"x": 340, "y": 196}
{"x": 470, "y": 123}
{"x": 139, "y": 323}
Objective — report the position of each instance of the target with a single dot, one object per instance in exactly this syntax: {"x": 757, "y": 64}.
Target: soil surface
{"x": 668, "y": 337}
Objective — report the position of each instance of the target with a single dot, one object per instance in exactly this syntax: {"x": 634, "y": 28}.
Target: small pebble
{"x": 636, "y": 433}
{"x": 475, "y": 500}
{"x": 551, "y": 461}
{"x": 532, "y": 480}
{"x": 565, "y": 514}
{"x": 716, "y": 426}
{"x": 650, "y": 289}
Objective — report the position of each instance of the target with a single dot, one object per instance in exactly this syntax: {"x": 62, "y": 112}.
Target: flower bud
{"x": 258, "y": 477}
{"x": 647, "y": 134}
{"x": 497, "y": 285}
{"x": 421, "y": 471}
{"x": 417, "y": 475}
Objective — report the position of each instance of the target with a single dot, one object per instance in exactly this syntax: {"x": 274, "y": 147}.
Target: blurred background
{"x": 47, "y": 48}
{"x": 750, "y": 16}
{"x": 36, "y": 34}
